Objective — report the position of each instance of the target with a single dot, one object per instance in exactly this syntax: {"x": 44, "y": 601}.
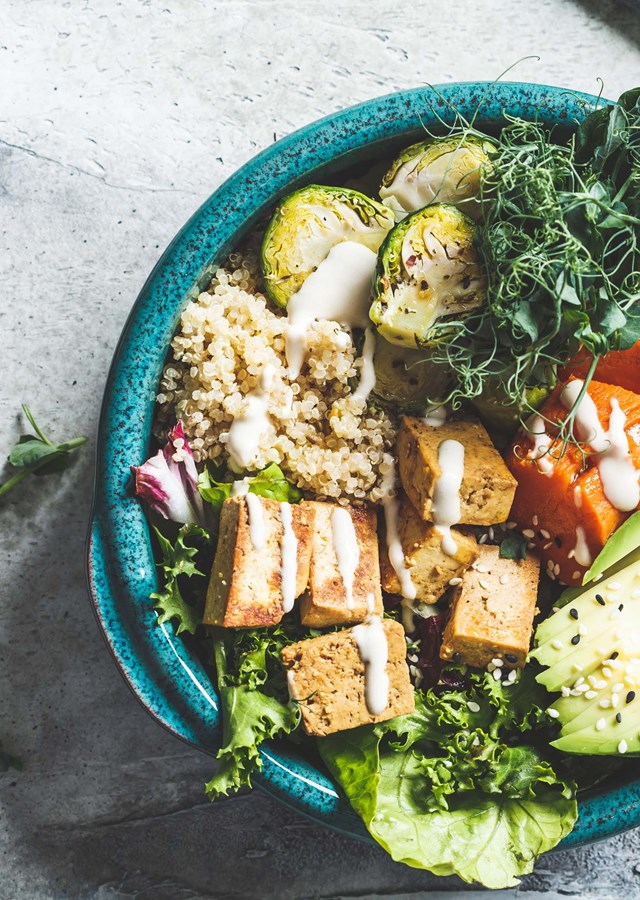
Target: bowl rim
{"x": 158, "y": 667}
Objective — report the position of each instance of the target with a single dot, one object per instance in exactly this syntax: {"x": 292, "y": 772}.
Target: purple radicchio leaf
{"x": 168, "y": 481}
{"x": 435, "y": 671}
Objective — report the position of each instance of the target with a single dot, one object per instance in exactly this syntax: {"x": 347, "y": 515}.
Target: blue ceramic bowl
{"x": 162, "y": 670}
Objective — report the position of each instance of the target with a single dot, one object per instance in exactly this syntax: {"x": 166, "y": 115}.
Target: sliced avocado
{"x": 615, "y": 738}
{"x": 594, "y": 640}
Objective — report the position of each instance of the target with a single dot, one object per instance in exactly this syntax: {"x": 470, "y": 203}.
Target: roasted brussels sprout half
{"x": 307, "y": 224}
{"x": 427, "y": 268}
{"x": 406, "y": 379}
{"x": 440, "y": 170}
{"x": 498, "y": 413}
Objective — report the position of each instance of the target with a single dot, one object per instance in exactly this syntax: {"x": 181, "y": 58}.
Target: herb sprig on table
{"x": 35, "y": 454}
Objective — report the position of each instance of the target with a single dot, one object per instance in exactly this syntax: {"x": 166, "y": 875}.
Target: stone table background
{"x": 117, "y": 119}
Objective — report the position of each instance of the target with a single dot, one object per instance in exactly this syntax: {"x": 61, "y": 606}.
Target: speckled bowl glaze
{"x": 162, "y": 669}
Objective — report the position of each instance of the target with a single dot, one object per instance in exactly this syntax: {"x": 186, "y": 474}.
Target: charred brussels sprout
{"x": 440, "y": 170}
{"x": 307, "y": 224}
{"x": 406, "y": 379}
{"x": 427, "y": 269}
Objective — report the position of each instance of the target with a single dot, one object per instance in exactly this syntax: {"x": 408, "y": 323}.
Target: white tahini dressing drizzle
{"x": 367, "y": 372}
{"x": 435, "y": 415}
{"x": 446, "y": 493}
{"x": 338, "y": 290}
{"x": 394, "y": 546}
{"x": 345, "y": 545}
{"x": 246, "y": 429}
{"x": 374, "y": 653}
{"x": 618, "y": 475}
{"x": 289, "y": 558}
{"x": 581, "y": 552}
{"x": 537, "y": 430}
{"x": 256, "y": 520}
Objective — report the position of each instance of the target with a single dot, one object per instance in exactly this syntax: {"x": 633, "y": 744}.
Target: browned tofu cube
{"x": 492, "y": 611}
{"x": 488, "y": 487}
{"x": 327, "y": 676}
{"x": 329, "y": 600}
{"x": 430, "y": 567}
{"x": 245, "y": 589}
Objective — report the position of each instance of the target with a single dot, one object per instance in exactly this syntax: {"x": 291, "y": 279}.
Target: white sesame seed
{"x": 497, "y": 674}
{"x": 454, "y": 581}
{"x": 504, "y": 579}
{"x": 482, "y": 569}
{"x": 497, "y": 661}
{"x": 484, "y": 585}
{"x": 600, "y": 724}
{"x": 529, "y": 533}
{"x": 545, "y": 534}
{"x": 605, "y": 704}
{"x": 513, "y": 674}
{"x": 535, "y": 521}
{"x": 614, "y": 586}
{"x": 622, "y": 746}
{"x": 557, "y": 644}
{"x": 556, "y": 569}
{"x": 483, "y": 538}
{"x": 473, "y": 706}
{"x": 554, "y": 713}
{"x": 575, "y": 575}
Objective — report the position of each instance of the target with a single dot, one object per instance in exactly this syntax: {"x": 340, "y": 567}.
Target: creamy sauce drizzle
{"x": 435, "y": 416}
{"x": 618, "y": 475}
{"x": 446, "y": 493}
{"x": 581, "y": 552}
{"x": 338, "y": 290}
{"x": 374, "y": 653}
{"x": 345, "y": 545}
{"x": 247, "y": 428}
{"x": 289, "y": 558}
{"x": 394, "y": 547}
{"x": 256, "y": 521}
{"x": 367, "y": 372}
{"x": 537, "y": 430}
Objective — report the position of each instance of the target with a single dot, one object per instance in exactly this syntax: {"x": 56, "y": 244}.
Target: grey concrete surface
{"x": 117, "y": 118}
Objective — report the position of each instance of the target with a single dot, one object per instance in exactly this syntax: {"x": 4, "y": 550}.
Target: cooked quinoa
{"x": 327, "y": 441}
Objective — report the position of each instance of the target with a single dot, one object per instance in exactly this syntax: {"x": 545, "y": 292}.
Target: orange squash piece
{"x": 550, "y": 508}
{"x": 620, "y": 367}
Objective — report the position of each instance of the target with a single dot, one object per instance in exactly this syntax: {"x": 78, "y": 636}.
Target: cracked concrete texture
{"x": 117, "y": 118}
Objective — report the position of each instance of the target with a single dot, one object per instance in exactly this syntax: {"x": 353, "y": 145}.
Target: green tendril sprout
{"x": 559, "y": 241}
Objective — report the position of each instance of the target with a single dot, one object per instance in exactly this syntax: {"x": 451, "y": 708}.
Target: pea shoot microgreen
{"x": 35, "y": 454}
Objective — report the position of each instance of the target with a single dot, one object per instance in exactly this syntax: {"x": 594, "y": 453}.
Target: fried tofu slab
{"x": 487, "y": 489}
{"x": 245, "y": 588}
{"x": 326, "y": 676}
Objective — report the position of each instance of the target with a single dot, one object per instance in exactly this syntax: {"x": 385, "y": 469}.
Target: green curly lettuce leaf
{"x": 444, "y": 789}
{"x": 255, "y": 704}
{"x": 179, "y": 561}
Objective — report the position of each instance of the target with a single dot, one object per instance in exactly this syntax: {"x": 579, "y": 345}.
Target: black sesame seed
{"x": 573, "y": 613}
{"x": 456, "y": 657}
{"x": 618, "y": 718}
{"x": 630, "y": 696}
{"x": 600, "y": 599}
{"x": 575, "y": 639}
{"x": 511, "y": 657}
{"x": 614, "y": 655}
{"x": 558, "y": 542}
{"x": 621, "y": 607}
